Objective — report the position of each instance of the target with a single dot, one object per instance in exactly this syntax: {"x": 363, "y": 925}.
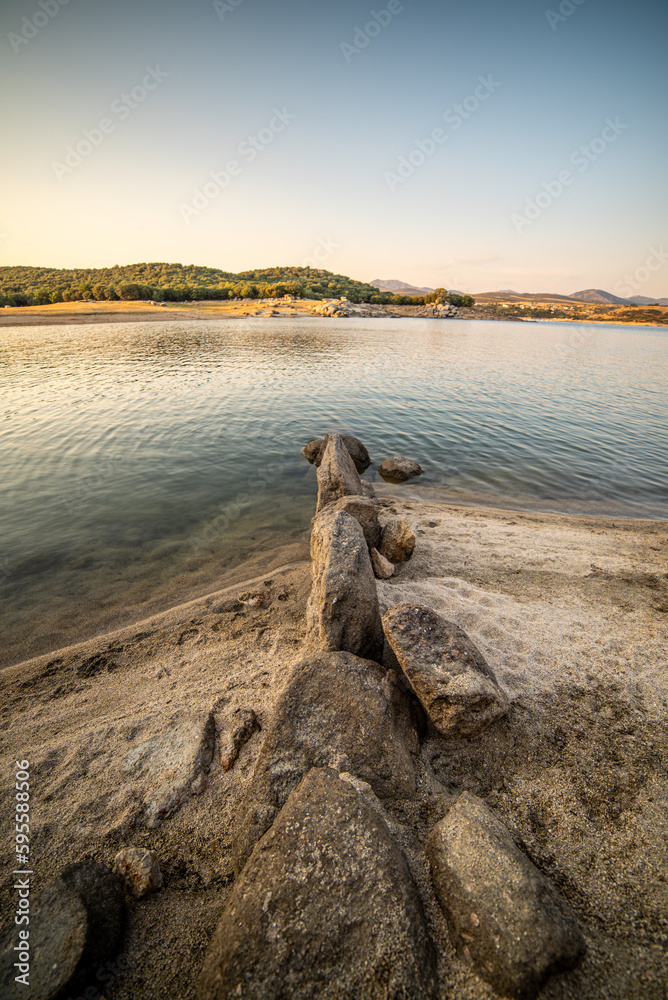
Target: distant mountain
{"x": 643, "y": 300}
{"x": 400, "y": 287}
{"x": 599, "y": 296}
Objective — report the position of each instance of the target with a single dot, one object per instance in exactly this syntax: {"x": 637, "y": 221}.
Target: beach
{"x": 570, "y": 613}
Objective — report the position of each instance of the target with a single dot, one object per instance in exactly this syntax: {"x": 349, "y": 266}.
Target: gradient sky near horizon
{"x": 328, "y": 180}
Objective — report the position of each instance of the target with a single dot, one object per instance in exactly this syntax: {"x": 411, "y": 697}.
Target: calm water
{"x": 144, "y": 459}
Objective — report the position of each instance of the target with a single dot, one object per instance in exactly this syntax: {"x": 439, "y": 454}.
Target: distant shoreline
{"x": 78, "y": 313}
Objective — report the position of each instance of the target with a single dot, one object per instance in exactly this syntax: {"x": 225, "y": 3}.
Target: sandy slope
{"x": 570, "y": 613}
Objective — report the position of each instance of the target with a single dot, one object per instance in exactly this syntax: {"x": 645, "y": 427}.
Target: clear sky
{"x": 326, "y": 114}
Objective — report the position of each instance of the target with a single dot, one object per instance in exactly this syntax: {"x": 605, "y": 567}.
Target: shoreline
{"x": 78, "y": 313}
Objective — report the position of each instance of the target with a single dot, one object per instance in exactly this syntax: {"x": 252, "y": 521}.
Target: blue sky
{"x": 115, "y": 116}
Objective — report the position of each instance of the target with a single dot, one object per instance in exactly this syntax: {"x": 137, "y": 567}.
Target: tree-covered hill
{"x": 178, "y": 283}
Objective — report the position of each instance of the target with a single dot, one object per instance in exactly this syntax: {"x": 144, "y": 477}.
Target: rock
{"x": 450, "y": 676}
{"x": 505, "y": 916}
{"x": 173, "y": 766}
{"x": 235, "y": 732}
{"x": 139, "y": 870}
{"x": 337, "y": 475}
{"x": 382, "y": 567}
{"x": 76, "y": 922}
{"x": 368, "y": 490}
{"x": 398, "y": 541}
{"x": 342, "y": 610}
{"x": 398, "y": 468}
{"x": 337, "y": 710}
{"x": 326, "y": 907}
{"x": 314, "y": 451}
{"x": 364, "y": 510}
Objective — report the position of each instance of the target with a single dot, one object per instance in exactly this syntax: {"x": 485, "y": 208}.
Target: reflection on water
{"x": 147, "y": 457}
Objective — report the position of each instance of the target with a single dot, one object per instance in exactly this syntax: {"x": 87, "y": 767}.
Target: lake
{"x": 142, "y": 460}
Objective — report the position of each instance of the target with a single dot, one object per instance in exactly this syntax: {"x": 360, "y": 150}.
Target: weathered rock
{"x": 337, "y": 475}
{"x": 314, "y": 451}
{"x": 139, "y": 869}
{"x": 506, "y": 918}
{"x": 364, "y": 510}
{"x": 342, "y": 610}
{"x": 337, "y": 710}
{"x": 450, "y": 676}
{"x": 76, "y": 923}
{"x": 173, "y": 766}
{"x": 368, "y": 490}
{"x": 398, "y": 468}
{"x": 326, "y": 907}
{"x": 234, "y": 732}
{"x": 382, "y": 567}
{"x": 398, "y": 541}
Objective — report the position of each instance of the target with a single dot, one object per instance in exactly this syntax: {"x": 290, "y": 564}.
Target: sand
{"x": 571, "y": 614}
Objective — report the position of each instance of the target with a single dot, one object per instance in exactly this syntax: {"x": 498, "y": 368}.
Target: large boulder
{"x": 337, "y": 475}
{"x": 326, "y": 907}
{"x": 76, "y": 923}
{"x": 398, "y": 540}
{"x": 315, "y": 450}
{"x": 342, "y": 610}
{"x": 398, "y": 469}
{"x": 337, "y": 710}
{"x": 504, "y": 915}
{"x": 364, "y": 510}
{"x": 450, "y": 676}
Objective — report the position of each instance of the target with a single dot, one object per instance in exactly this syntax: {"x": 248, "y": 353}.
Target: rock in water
{"x": 382, "y": 567}
{"x": 506, "y": 918}
{"x": 337, "y": 475}
{"x": 398, "y": 542}
{"x": 76, "y": 922}
{"x": 342, "y": 610}
{"x": 450, "y": 676}
{"x": 139, "y": 869}
{"x": 314, "y": 451}
{"x": 326, "y": 907}
{"x": 364, "y": 510}
{"x": 398, "y": 468}
{"x": 340, "y": 711}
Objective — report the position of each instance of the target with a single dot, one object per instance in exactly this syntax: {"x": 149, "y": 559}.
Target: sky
{"x": 476, "y": 145}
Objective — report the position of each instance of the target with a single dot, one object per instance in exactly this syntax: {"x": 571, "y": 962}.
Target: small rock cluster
{"x": 325, "y": 904}
{"x": 437, "y": 310}
{"x": 344, "y": 307}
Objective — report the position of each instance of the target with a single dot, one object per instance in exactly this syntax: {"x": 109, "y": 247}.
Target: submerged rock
{"x": 337, "y": 475}
{"x": 398, "y": 540}
{"x": 139, "y": 870}
{"x": 337, "y": 710}
{"x": 450, "y": 676}
{"x": 314, "y": 451}
{"x": 398, "y": 468}
{"x": 326, "y": 907}
{"x": 506, "y": 918}
{"x": 342, "y": 610}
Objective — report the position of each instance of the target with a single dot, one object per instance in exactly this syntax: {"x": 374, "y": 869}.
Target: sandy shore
{"x": 571, "y": 614}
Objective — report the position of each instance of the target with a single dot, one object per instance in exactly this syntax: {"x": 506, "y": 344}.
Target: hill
{"x": 399, "y": 287}
{"x": 598, "y": 295}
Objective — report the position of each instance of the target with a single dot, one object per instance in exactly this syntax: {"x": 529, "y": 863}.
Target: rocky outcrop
{"x": 326, "y": 907}
{"x": 139, "y": 870}
{"x": 398, "y": 540}
{"x": 364, "y": 510}
{"x": 450, "y": 676}
{"x": 437, "y": 310}
{"x": 504, "y": 915}
{"x": 314, "y": 451}
{"x": 398, "y": 469}
{"x": 344, "y": 307}
{"x": 173, "y": 766}
{"x": 342, "y": 611}
{"x": 76, "y": 923}
{"x": 337, "y": 710}
{"x": 337, "y": 475}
